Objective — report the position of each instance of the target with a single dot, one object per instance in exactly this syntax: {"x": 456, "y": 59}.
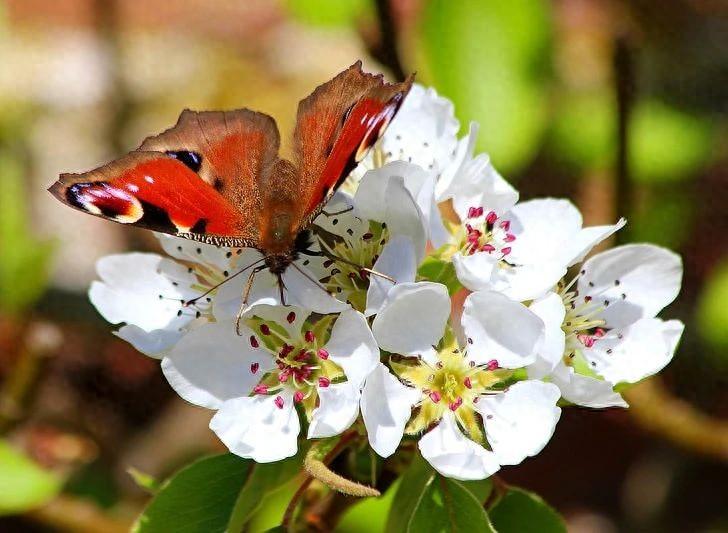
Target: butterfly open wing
{"x": 196, "y": 180}
{"x": 336, "y": 126}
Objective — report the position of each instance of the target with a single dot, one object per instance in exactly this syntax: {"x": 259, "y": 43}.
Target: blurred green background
{"x": 621, "y": 106}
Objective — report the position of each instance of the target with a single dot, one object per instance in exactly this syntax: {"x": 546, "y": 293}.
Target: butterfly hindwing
{"x": 336, "y": 126}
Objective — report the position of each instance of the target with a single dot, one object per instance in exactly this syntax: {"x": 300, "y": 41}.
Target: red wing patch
{"x": 153, "y": 191}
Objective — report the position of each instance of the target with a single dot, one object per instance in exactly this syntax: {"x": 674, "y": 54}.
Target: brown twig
{"x": 624, "y": 80}
{"x": 387, "y": 51}
{"x": 656, "y": 409}
{"x": 343, "y": 442}
{"x": 66, "y": 513}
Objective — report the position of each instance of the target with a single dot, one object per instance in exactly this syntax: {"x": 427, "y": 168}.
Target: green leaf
{"x": 428, "y": 502}
{"x": 447, "y": 506}
{"x": 667, "y": 144}
{"x": 145, "y": 481}
{"x": 327, "y": 12}
{"x": 23, "y": 484}
{"x": 25, "y": 260}
{"x": 218, "y": 493}
{"x": 520, "y": 511}
{"x": 492, "y": 59}
{"x": 712, "y": 314}
{"x": 440, "y": 271}
{"x": 370, "y": 514}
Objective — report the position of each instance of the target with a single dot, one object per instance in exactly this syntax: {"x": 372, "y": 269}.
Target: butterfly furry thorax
{"x": 216, "y": 176}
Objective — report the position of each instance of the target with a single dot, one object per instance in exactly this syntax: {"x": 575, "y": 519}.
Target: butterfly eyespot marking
{"x": 191, "y": 160}
{"x": 102, "y": 199}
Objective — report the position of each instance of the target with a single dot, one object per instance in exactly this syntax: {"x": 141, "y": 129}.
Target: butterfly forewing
{"x": 336, "y": 126}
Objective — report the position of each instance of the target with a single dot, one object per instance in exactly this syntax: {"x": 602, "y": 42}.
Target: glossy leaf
{"x": 370, "y": 514}
{"x": 428, "y": 502}
{"x": 23, "y": 484}
{"x": 218, "y": 493}
{"x": 520, "y": 511}
{"x": 439, "y": 271}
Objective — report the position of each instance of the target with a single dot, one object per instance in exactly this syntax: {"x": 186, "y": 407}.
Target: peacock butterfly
{"x": 216, "y": 176}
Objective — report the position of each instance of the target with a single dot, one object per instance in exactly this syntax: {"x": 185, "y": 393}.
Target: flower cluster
{"x": 440, "y": 308}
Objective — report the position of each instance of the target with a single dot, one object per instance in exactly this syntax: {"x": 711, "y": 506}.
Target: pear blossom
{"x": 460, "y": 394}
{"x": 280, "y": 360}
{"x": 379, "y": 232}
{"x": 601, "y": 328}
{"x": 149, "y": 293}
{"x": 521, "y": 250}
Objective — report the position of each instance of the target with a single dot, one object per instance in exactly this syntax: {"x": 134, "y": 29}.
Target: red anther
{"x": 457, "y": 403}
{"x": 587, "y": 299}
{"x": 599, "y": 332}
{"x": 260, "y": 389}
{"x": 291, "y": 317}
{"x": 471, "y": 212}
{"x": 363, "y": 274}
{"x": 435, "y": 396}
{"x": 298, "y": 396}
{"x": 265, "y": 329}
{"x": 323, "y": 353}
{"x": 505, "y": 251}
{"x": 506, "y": 225}
{"x": 309, "y": 336}
{"x": 324, "y": 382}
{"x": 302, "y": 355}
{"x": 254, "y": 341}
{"x": 509, "y": 237}
{"x": 283, "y": 375}
{"x": 487, "y": 248}
{"x": 286, "y": 349}
{"x": 586, "y": 340}
{"x": 254, "y": 367}
{"x": 279, "y": 402}
{"x": 491, "y": 218}
{"x": 468, "y": 383}
{"x": 492, "y": 365}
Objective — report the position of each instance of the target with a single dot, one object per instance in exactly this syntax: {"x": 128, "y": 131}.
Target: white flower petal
{"x": 153, "y": 343}
{"x": 543, "y": 228}
{"x": 636, "y": 280}
{"x": 302, "y": 288}
{"x": 519, "y": 422}
{"x": 413, "y": 317}
{"x": 454, "y": 455}
{"x": 501, "y": 329}
{"x": 480, "y": 185}
{"x": 338, "y": 203}
{"x": 475, "y": 271}
{"x": 386, "y": 406}
{"x": 550, "y": 309}
{"x": 337, "y": 410}
{"x": 197, "y": 252}
{"x": 451, "y": 176}
{"x": 644, "y": 349}
{"x": 352, "y": 347}
{"x": 256, "y": 428}
{"x": 130, "y": 289}
{"x": 212, "y": 364}
{"x": 228, "y": 298}
{"x": 397, "y": 261}
{"x": 526, "y": 282}
{"x": 585, "y": 390}
{"x": 587, "y": 238}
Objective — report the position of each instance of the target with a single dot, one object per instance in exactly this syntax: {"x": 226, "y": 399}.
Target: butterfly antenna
{"x": 341, "y": 212}
{"x": 362, "y": 268}
{"x": 310, "y": 278}
{"x": 246, "y": 294}
{"x": 215, "y": 287}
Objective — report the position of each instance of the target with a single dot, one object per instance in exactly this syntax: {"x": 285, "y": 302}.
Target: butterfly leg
{"x": 246, "y": 294}
{"x": 347, "y": 262}
{"x": 346, "y": 210}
